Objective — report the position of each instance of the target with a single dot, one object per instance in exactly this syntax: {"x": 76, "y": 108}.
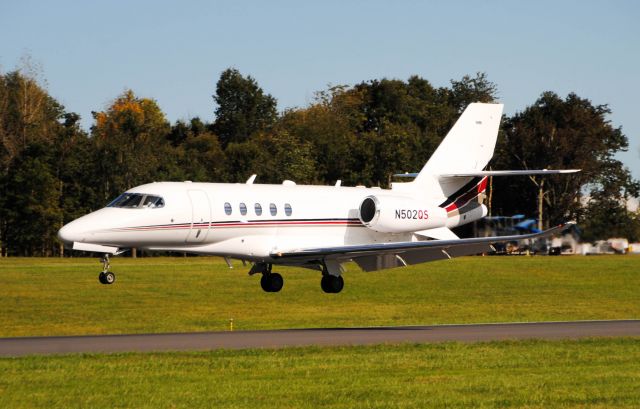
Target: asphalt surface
{"x": 327, "y": 337}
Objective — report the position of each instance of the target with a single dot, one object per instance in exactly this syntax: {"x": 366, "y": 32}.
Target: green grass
{"x": 63, "y": 296}
{"x": 534, "y": 374}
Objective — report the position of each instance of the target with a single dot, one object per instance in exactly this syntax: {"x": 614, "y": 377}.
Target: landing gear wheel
{"x": 271, "y": 282}
{"x": 109, "y": 277}
{"x": 332, "y": 284}
{"x": 265, "y": 283}
{"x": 106, "y": 276}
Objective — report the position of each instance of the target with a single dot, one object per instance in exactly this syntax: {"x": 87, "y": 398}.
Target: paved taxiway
{"x": 320, "y": 336}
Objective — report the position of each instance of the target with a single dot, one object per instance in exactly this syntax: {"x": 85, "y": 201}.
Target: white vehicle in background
{"x": 314, "y": 227}
{"x": 610, "y": 246}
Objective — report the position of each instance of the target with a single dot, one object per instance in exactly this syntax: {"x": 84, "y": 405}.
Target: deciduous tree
{"x": 557, "y": 133}
{"x": 242, "y": 109}
{"x": 131, "y": 144}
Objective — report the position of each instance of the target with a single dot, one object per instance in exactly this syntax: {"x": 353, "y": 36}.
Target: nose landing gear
{"x": 106, "y": 276}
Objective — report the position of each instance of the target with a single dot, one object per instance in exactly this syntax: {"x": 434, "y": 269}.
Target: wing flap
{"x": 379, "y": 262}
{"x": 423, "y": 255}
{"x": 470, "y": 249}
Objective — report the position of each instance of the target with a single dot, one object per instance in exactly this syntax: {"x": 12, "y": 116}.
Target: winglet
{"x": 549, "y": 232}
{"x": 251, "y": 179}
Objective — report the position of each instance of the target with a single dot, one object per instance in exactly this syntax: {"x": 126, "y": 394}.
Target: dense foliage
{"x": 52, "y": 171}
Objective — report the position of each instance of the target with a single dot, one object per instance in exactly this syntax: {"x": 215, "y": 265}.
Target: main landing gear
{"x": 106, "y": 276}
{"x": 332, "y": 284}
{"x": 270, "y": 282}
{"x": 332, "y": 281}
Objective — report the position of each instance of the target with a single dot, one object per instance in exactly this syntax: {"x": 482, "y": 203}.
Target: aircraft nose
{"x": 69, "y": 233}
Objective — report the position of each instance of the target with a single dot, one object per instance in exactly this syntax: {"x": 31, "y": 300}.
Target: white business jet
{"x": 314, "y": 227}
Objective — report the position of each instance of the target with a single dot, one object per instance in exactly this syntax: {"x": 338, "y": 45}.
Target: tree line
{"x": 53, "y": 171}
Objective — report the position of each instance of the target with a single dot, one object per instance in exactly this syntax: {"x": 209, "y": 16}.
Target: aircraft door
{"x": 201, "y": 216}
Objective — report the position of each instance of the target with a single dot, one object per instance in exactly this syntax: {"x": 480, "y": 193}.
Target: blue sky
{"x": 174, "y": 51}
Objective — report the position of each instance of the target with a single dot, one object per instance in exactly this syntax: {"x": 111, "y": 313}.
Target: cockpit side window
{"x": 153, "y": 202}
{"x": 130, "y": 200}
{"x": 137, "y": 201}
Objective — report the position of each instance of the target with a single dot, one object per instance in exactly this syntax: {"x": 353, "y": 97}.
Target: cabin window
{"x": 153, "y": 202}
{"x": 273, "y": 209}
{"x": 227, "y": 208}
{"x": 243, "y": 209}
{"x": 258, "y": 209}
{"x": 287, "y": 209}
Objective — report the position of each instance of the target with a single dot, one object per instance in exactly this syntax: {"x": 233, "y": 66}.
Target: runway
{"x": 321, "y": 337}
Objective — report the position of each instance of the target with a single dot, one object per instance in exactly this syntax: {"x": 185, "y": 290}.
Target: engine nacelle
{"x": 393, "y": 214}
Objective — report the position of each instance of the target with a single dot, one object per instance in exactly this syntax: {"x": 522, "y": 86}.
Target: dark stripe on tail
{"x": 464, "y": 189}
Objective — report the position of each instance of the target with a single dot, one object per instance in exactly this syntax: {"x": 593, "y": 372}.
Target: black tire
{"x": 109, "y": 277}
{"x": 276, "y": 282}
{"x": 265, "y": 283}
{"x": 337, "y": 284}
{"x": 332, "y": 284}
{"x": 101, "y": 278}
{"x": 271, "y": 283}
{"x": 324, "y": 284}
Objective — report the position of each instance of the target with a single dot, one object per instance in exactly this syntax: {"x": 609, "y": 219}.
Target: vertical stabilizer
{"x": 469, "y": 144}
{"x": 467, "y": 148}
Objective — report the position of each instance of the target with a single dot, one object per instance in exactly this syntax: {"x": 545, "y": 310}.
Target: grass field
{"x": 533, "y": 374}
{"x": 63, "y": 296}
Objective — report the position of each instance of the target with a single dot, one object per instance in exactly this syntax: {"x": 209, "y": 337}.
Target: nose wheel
{"x": 106, "y": 276}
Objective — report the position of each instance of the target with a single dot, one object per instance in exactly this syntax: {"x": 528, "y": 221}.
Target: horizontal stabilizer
{"x": 510, "y": 173}
{"x": 483, "y": 173}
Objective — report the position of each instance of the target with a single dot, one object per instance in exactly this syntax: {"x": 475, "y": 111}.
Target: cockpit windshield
{"x": 137, "y": 201}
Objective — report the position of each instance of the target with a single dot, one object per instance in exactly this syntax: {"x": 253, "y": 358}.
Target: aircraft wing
{"x": 377, "y": 256}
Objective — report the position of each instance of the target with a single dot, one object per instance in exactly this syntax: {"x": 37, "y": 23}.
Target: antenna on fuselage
{"x": 251, "y": 179}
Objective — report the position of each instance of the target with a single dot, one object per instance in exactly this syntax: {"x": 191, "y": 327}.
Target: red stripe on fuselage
{"x": 281, "y": 223}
